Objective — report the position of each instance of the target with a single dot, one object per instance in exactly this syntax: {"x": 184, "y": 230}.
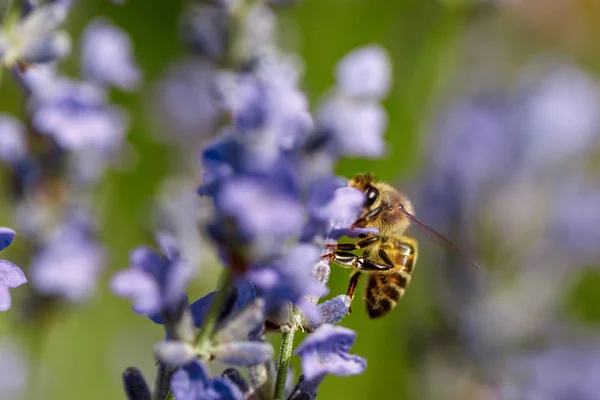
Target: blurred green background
{"x": 85, "y": 349}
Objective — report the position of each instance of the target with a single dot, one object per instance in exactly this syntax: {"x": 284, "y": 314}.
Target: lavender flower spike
{"x": 325, "y": 351}
{"x": 155, "y": 282}
{"x": 11, "y": 276}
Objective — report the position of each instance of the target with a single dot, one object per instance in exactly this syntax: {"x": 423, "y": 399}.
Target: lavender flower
{"x": 193, "y": 382}
{"x": 290, "y": 278}
{"x": 12, "y": 140}
{"x": 36, "y": 38}
{"x": 76, "y": 116}
{"x": 13, "y": 369}
{"x": 11, "y": 276}
{"x": 106, "y": 56}
{"x": 351, "y": 118}
{"x": 187, "y": 102}
{"x": 155, "y": 282}
{"x": 364, "y": 72}
{"x": 325, "y": 351}
{"x": 69, "y": 262}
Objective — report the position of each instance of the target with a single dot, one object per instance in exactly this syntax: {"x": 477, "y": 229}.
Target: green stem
{"x": 215, "y": 309}
{"x": 285, "y": 354}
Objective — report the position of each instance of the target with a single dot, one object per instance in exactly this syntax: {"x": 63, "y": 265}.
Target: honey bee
{"x": 388, "y": 257}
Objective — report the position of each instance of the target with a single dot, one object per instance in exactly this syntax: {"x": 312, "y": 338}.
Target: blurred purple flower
{"x": 325, "y": 351}
{"x": 193, "y": 382}
{"x": 558, "y": 113}
{"x": 155, "y": 282}
{"x": 70, "y": 261}
{"x": 13, "y": 369}
{"x": 76, "y": 115}
{"x": 365, "y": 72}
{"x": 562, "y": 372}
{"x": 13, "y": 146}
{"x": 107, "y": 56}
{"x": 11, "y": 276}
{"x": 290, "y": 278}
{"x": 36, "y": 38}
{"x": 187, "y": 102}
{"x": 259, "y": 210}
{"x": 135, "y": 385}
{"x": 270, "y": 104}
{"x": 356, "y": 127}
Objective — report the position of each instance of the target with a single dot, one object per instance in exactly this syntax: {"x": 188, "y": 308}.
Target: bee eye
{"x": 372, "y": 195}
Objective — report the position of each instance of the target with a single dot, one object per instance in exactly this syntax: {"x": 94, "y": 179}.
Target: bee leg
{"x": 358, "y": 245}
{"x": 350, "y": 293}
{"x": 360, "y": 263}
{"x": 367, "y": 217}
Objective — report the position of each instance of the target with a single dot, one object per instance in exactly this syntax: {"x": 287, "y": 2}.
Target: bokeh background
{"x": 494, "y": 132}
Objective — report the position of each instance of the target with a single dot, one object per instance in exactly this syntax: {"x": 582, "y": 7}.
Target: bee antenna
{"x": 439, "y": 236}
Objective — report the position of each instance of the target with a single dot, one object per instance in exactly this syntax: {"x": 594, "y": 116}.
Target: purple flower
{"x": 290, "y": 278}
{"x": 187, "y": 102}
{"x": 325, "y": 351}
{"x": 106, "y": 56}
{"x": 135, "y": 385}
{"x": 193, "y": 382}
{"x": 558, "y": 114}
{"x": 36, "y": 38}
{"x": 155, "y": 282}
{"x": 206, "y": 31}
{"x": 13, "y": 146}
{"x": 268, "y": 103}
{"x": 260, "y": 210}
{"x": 13, "y": 369}
{"x": 365, "y": 72}
{"x": 332, "y": 311}
{"x": 76, "y": 116}
{"x": 11, "y": 276}
{"x": 70, "y": 261}
{"x": 356, "y": 127}
{"x": 561, "y": 372}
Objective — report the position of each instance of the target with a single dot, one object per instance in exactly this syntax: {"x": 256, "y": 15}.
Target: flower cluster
{"x": 510, "y": 167}
{"x": 59, "y": 152}
{"x": 268, "y": 168}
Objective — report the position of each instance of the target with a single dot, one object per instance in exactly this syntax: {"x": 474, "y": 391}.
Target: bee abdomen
{"x": 384, "y": 292}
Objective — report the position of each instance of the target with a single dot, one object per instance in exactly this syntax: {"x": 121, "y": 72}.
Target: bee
{"x": 388, "y": 257}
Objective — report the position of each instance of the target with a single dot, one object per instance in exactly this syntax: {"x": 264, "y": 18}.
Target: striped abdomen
{"x": 385, "y": 289}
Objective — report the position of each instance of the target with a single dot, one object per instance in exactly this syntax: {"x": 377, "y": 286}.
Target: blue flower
{"x": 106, "y": 56}
{"x": 155, "y": 282}
{"x": 193, "y": 382}
{"x": 69, "y": 262}
{"x": 11, "y": 276}
{"x": 325, "y": 351}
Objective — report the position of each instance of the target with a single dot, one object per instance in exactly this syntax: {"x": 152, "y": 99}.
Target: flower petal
{"x": 243, "y": 353}
{"x": 6, "y": 237}
{"x": 11, "y": 276}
